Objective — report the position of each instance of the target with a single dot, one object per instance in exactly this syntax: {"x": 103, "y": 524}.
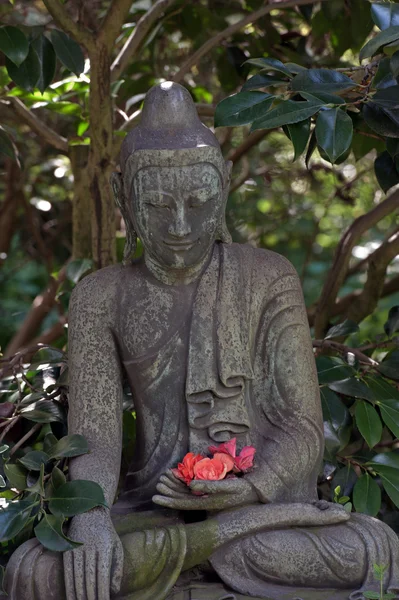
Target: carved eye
{"x": 157, "y": 199}
{"x": 200, "y": 198}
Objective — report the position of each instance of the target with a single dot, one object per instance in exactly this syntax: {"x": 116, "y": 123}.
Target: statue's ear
{"x": 116, "y": 181}
{"x": 229, "y": 168}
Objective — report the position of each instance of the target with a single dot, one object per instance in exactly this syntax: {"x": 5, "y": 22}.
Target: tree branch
{"x": 60, "y": 15}
{"x": 251, "y": 140}
{"x": 113, "y": 21}
{"x": 343, "y": 254}
{"x": 367, "y": 301}
{"x": 229, "y": 31}
{"x": 39, "y": 127}
{"x": 138, "y": 35}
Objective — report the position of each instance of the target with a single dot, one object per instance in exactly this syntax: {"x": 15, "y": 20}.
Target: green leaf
{"x": 322, "y": 80}
{"x": 242, "y": 108}
{"x": 77, "y": 268}
{"x": 385, "y": 14}
{"x": 38, "y": 485}
{"x": 390, "y": 366}
{"x": 334, "y": 131}
{"x": 344, "y": 328}
{"x": 337, "y": 422}
{"x": 47, "y": 59}
{"x": 34, "y": 460}
{"x": 76, "y": 497}
{"x": 345, "y": 478}
{"x": 294, "y": 68}
{"x": 392, "y": 146}
{"x": 380, "y": 120}
{"x": 27, "y": 74}
{"x": 372, "y": 595}
{"x": 14, "y": 44}
{"x": 352, "y": 387}
{"x": 269, "y": 64}
{"x": 68, "y": 51}
{"x": 65, "y": 108}
{"x": 47, "y": 356}
{"x": 331, "y": 368}
{"x": 44, "y": 411}
{"x": 382, "y": 389}
{"x": 16, "y": 476}
{"x": 394, "y": 65}
{"x": 298, "y": 133}
{"x": 6, "y": 145}
{"x": 68, "y": 446}
{"x": 286, "y": 113}
{"x": 13, "y": 518}
{"x": 323, "y": 96}
{"x": 367, "y": 496}
{"x": 391, "y": 34}
{"x": 57, "y": 478}
{"x": 50, "y": 535}
{"x": 392, "y": 324}
{"x": 390, "y": 415}
{"x": 387, "y": 467}
{"x": 369, "y": 423}
{"x": 311, "y": 148}
{"x": 262, "y": 81}
{"x": 387, "y": 98}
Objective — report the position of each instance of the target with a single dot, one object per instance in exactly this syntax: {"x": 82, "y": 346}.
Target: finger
{"x": 117, "y": 568}
{"x": 91, "y": 560}
{"x": 104, "y": 575}
{"x": 177, "y": 503}
{"x": 169, "y": 473}
{"x": 78, "y": 558}
{"x": 178, "y": 486}
{"x": 167, "y": 491}
{"x": 69, "y": 576}
{"x": 207, "y": 487}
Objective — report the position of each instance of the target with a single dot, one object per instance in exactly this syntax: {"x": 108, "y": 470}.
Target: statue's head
{"x": 174, "y": 182}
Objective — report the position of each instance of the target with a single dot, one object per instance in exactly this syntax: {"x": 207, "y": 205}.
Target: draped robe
{"x": 239, "y": 364}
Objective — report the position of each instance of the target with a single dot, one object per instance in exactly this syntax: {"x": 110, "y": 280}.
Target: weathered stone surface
{"x": 213, "y": 340}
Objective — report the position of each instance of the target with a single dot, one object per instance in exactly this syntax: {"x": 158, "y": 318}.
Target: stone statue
{"x": 213, "y": 340}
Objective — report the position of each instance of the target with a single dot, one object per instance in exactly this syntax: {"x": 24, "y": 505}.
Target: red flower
{"x": 245, "y": 460}
{"x": 225, "y": 459}
{"x": 185, "y": 469}
{"x": 226, "y": 448}
{"x": 210, "y": 469}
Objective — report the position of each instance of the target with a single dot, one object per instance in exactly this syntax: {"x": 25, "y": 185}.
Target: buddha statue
{"x": 213, "y": 340}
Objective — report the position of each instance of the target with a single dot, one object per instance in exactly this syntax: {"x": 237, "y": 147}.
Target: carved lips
{"x": 223, "y": 464}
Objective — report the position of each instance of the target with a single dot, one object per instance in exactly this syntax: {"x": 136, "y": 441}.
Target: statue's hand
{"x": 216, "y": 495}
{"x": 95, "y": 569}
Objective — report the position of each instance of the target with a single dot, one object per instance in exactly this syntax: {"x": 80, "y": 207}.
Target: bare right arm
{"x": 95, "y": 411}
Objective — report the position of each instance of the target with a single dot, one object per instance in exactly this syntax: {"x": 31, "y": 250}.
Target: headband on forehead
{"x": 170, "y": 134}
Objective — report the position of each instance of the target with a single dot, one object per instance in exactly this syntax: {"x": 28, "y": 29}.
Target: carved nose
{"x": 180, "y": 228}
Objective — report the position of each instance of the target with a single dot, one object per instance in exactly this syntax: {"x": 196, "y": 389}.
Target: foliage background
{"x": 58, "y": 221}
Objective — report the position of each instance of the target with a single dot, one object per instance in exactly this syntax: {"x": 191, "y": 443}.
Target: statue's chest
{"x": 151, "y": 317}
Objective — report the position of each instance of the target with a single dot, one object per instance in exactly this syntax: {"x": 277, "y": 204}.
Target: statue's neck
{"x": 175, "y": 276}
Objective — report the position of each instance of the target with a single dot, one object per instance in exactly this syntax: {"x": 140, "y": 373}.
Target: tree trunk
{"x": 81, "y": 208}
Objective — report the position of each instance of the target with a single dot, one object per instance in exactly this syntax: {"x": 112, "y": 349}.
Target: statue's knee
{"x": 34, "y": 573}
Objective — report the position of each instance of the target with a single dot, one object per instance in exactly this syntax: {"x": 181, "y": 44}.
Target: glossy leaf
{"x": 390, "y": 415}
{"x": 391, "y": 34}
{"x": 387, "y": 98}
{"x": 13, "y": 518}
{"x": 44, "y": 411}
{"x": 342, "y": 329}
{"x": 14, "y": 44}
{"x": 57, "y": 478}
{"x": 68, "y": 446}
{"x": 299, "y": 134}
{"x": 269, "y": 64}
{"x": 34, "y": 460}
{"x": 369, "y": 423}
{"x": 27, "y": 74}
{"x": 77, "y": 268}
{"x": 337, "y": 422}
{"x": 380, "y": 120}
{"x": 16, "y": 476}
{"x": 45, "y": 52}
{"x": 286, "y": 113}
{"x": 392, "y": 324}
{"x": 382, "y": 389}
{"x": 311, "y": 148}
{"x": 387, "y": 467}
{"x": 323, "y": 96}
{"x": 390, "y": 366}
{"x": 385, "y": 14}
{"x": 345, "y": 478}
{"x": 331, "y": 368}
{"x": 367, "y": 496}
{"x": 68, "y": 51}
{"x": 242, "y": 108}
{"x": 334, "y": 131}
{"x": 262, "y": 81}
{"x": 352, "y": 387}
{"x": 322, "y": 80}
{"x": 76, "y": 497}
{"x": 50, "y": 534}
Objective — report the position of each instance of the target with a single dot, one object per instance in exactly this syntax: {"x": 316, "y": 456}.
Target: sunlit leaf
{"x": 385, "y": 14}
{"x": 334, "y": 131}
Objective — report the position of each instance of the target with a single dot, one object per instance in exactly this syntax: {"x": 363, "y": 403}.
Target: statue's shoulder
{"x": 99, "y": 289}
{"x": 265, "y": 264}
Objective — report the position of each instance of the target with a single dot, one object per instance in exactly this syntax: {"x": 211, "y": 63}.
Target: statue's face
{"x": 177, "y": 211}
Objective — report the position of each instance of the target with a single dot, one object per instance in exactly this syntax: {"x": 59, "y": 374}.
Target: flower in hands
{"x": 185, "y": 469}
{"x": 241, "y": 463}
{"x": 210, "y": 469}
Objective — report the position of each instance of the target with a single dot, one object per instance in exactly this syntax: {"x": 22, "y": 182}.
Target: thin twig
{"x": 9, "y": 427}
{"x": 342, "y": 349}
{"x": 60, "y": 15}
{"x": 23, "y": 439}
